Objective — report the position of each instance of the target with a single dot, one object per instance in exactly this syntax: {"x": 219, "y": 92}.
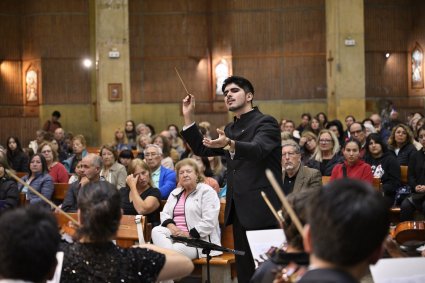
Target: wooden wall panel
{"x": 10, "y": 83}
{"x": 386, "y": 77}
{"x": 387, "y": 28}
{"x": 22, "y": 127}
{"x": 265, "y": 37}
{"x": 65, "y": 81}
{"x": 10, "y": 47}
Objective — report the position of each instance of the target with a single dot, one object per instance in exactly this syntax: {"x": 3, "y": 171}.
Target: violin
{"x": 410, "y": 233}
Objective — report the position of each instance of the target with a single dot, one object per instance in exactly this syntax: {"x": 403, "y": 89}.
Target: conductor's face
{"x": 236, "y": 98}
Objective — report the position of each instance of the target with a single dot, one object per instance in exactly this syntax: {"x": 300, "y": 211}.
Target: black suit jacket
{"x": 257, "y": 147}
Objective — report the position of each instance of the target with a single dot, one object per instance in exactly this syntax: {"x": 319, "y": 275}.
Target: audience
{"x": 218, "y": 170}
{"x": 162, "y": 178}
{"x": 120, "y": 140}
{"x": 416, "y": 179}
{"x": 79, "y": 151}
{"x": 326, "y": 155}
{"x": 353, "y": 167}
{"x": 296, "y": 177}
{"x": 191, "y": 211}
{"x": 9, "y": 193}
{"x": 205, "y": 171}
{"x": 358, "y": 132}
{"x": 39, "y": 179}
{"x": 308, "y": 144}
{"x": 164, "y": 144}
{"x": 139, "y": 196}
{"x": 125, "y": 158}
{"x": 56, "y": 170}
{"x": 112, "y": 171}
{"x": 90, "y": 173}
{"x": 16, "y": 157}
{"x": 130, "y": 133}
{"x": 53, "y": 124}
{"x": 400, "y": 144}
{"x": 384, "y": 166}
{"x": 95, "y": 258}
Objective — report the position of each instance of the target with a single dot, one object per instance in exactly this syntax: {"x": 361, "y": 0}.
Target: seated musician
{"x": 347, "y": 225}
{"x": 95, "y": 258}
{"x": 29, "y": 240}
{"x": 296, "y": 177}
{"x": 139, "y": 196}
{"x": 294, "y": 252}
{"x": 191, "y": 211}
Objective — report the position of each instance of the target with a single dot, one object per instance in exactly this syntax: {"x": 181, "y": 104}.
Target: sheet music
{"x": 58, "y": 271}
{"x": 399, "y": 270}
{"x": 260, "y": 241}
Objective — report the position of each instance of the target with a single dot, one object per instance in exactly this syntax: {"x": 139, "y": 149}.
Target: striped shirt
{"x": 179, "y": 216}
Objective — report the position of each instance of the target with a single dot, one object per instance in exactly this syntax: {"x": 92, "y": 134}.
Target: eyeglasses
{"x": 46, "y": 151}
{"x": 232, "y": 90}
{"x": 151, "y": 154}
{"x": 421, "y": 137}
{"x": 325, "y": 141}
{"x": 289, "y": 154}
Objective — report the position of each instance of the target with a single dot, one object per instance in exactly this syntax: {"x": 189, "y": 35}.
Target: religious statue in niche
{"x": 417, "y": 67}
{"x": 31, "y": 80}
{"x": 221, "y": 73}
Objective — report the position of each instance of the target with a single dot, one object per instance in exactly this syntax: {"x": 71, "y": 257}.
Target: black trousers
{"x": 407, "y": 209}
{"x": 245, "y": 265}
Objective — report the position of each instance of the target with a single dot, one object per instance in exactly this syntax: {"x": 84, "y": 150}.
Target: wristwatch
{"x": 228, "y": 144}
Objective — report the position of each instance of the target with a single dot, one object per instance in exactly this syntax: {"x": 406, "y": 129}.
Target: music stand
{"x": 206, "y": 247}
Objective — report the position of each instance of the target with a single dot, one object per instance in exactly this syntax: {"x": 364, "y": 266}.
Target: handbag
{"x": 401, "y": 193}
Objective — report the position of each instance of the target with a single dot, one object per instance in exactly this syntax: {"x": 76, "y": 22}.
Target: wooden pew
{"x": 403, "y": 171}
{"x": 60, "y": 191}
{"x": 127, "y": 232}
{"x": 222, "y": 267}
{"x": 93, "y": 149}
{"x": 21, "y": 174}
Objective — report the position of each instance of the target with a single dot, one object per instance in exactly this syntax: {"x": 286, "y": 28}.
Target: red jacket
{"x": 360, "y": 170}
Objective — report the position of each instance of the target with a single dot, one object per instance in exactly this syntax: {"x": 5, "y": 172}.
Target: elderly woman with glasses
{"x": 326, "y": 155}
{"x": 56, "y": 170}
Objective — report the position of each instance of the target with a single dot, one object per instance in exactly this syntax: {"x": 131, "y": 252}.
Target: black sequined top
{"x": 109, "y": 263}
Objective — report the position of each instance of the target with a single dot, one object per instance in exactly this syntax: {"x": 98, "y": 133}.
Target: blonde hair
{"x": 318, "y": 153}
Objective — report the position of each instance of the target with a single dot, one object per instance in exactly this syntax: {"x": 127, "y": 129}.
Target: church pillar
{"x": 345, "y": 54}
{"x": 113, "y": 97}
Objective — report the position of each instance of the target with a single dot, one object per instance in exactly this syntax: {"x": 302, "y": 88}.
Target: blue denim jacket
{"x": 43, "y": 183}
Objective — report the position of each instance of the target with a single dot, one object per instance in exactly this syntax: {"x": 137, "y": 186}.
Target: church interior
{"x": 339, "y": 57}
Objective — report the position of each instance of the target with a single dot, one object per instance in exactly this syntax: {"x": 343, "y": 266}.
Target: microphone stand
{"x": 206, "y": 247}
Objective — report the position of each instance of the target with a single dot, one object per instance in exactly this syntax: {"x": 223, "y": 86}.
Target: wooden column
{"x": 346, "y": 58}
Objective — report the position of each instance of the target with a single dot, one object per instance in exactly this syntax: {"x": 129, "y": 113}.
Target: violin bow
{"x": 284, "y": 201}
{"x": 10, "y": 173}
{"x": 181, "y": 80}
{"x": 269, "y": 204}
